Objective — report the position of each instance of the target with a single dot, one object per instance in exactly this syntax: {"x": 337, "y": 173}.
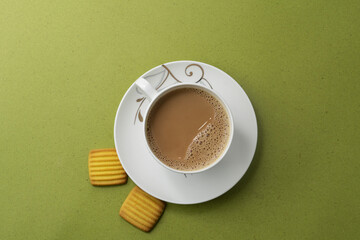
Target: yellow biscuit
{"x": 105, "y": 168}
{"x": 141, "y": 209}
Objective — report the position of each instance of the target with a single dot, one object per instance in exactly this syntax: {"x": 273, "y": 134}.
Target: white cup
{"x": 154, "y": 95}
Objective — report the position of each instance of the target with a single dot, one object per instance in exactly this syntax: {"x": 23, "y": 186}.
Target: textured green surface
{"x": 65, "y": 65}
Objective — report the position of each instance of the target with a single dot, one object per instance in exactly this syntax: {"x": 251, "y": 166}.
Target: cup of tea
{"x": 188, "y": 127}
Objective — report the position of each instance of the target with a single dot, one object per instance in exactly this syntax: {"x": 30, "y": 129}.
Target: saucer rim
{"x": 225, "y": 189}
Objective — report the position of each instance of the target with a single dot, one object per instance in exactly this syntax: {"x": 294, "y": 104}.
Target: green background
{"x": 65, "y": 65}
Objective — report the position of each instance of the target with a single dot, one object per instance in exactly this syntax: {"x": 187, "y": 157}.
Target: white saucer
{"x": 165, "y": 184}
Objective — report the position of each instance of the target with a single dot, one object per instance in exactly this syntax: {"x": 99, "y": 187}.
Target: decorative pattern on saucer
{"x": 141, "y": 100}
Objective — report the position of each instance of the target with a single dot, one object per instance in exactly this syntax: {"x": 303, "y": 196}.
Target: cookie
{"x": 105, "y": 168}
{"x": 141, "y": 209}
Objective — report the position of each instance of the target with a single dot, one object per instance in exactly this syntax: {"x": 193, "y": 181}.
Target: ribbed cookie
{"x": 141, "y": 209}
{"x": 105, "y": 168}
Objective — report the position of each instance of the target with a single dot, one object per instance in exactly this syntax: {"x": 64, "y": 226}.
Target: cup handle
{"x": 145, "y": 87}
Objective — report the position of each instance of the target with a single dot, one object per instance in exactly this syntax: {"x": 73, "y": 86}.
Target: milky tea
{"x": 188, "y": 129}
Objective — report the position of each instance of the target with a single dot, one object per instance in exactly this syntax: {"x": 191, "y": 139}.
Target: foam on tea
{"x": 188, "y": 129}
